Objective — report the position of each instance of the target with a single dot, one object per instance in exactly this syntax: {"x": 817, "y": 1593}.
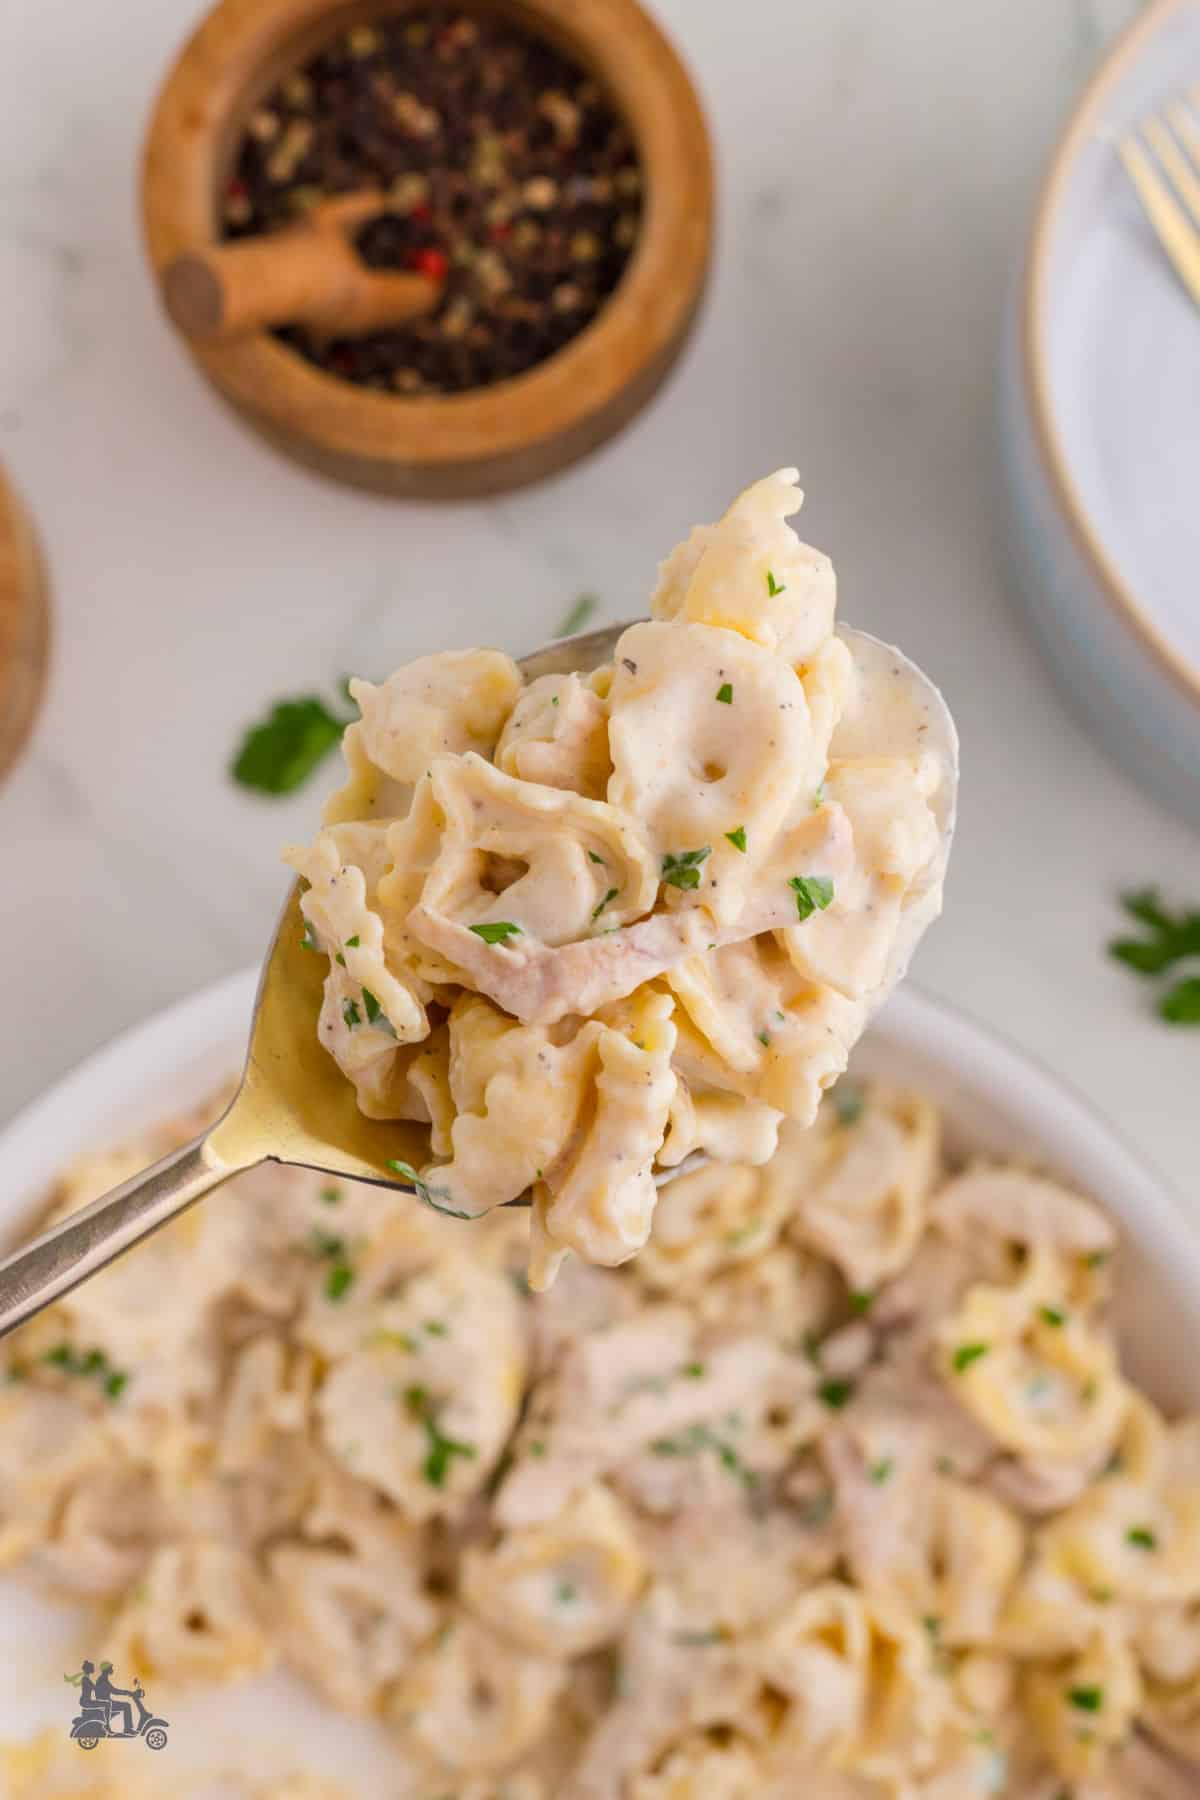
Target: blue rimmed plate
{"x": 1100, "y": 419}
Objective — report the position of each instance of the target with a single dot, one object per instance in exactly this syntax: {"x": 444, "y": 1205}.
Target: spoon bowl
{"x": 295, "y": 1106}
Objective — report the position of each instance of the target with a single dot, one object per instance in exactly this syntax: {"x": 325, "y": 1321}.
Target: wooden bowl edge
{"x": 497, "y": 438}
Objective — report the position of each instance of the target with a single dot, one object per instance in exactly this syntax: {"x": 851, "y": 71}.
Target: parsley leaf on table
{"x": 1168, "y": 939}
{"x": 1180, "y": 1005}
{"x": 578, "y": 616}
{"x": 281, "y": 751}
{"x": 1172, "y": 936}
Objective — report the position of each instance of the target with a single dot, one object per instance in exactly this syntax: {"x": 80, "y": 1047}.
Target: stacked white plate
{"x": 1100, "y": 416}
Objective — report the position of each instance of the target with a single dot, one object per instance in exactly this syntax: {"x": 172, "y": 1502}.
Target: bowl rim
{"x": 201, "y": 1038}
{"x": 1035, "y": 372}
{"x": 643, "y": 322}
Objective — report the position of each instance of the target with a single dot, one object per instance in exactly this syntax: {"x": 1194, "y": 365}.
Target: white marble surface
{"x": 878, "y": 162}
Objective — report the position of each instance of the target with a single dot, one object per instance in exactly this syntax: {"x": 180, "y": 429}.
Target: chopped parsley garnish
{"x": 280, "y": 752}
{"x": 592, "y": 857}
{"x": 1142, "y": 1538}
{"x": 1086, "y": 1699}
{"x": 382, "y": 1339}
{"x": 1171, "y": 938}
{"x": 351, "y": 1013}
{"x": 63, "y": 1357}
{"x": 861, "y": 1301}
{"x": 882, "y": 1470}
{"x": 442, "y": 1449}
{"x": 743, "y": 1233}
{"x": 339, "y": 959}
{"x": 354, "y": 942}
{"x": 338, "y": 1280}
{"x": 764, "y": 1038}
{"x": 836, "y": 1394}
{"x": 437, "y": 1197}
{"x": 725, "y": 693}
{"x": 331, "y": 1196}
{"x": 536, "y": 1447}
{"x": 813, "y": 893}
{"x": 496, "y": 933}
{"x": 437, "y": 1328}
{"x": 683, "y": 870}
{"x": 699, "y": 1437}
{"x": 566, "y": 1593}
{"x": 323, "y": 1243}
{"x": 328, "y": 1248}
{"x": 695, "y": 1371}
{"x": 773, "y": 587}
{"x": 309, "y": 940}
{"x": 1052, "y": 1315}
{"x": 375, "y": 1013}
{"x": 738, "y": 838}
{"x": 966, "y": 1354}
{"x": 91, "y": 1364}
{"x": 848, "y": 1102}
{"x": 818, "y": 796}
{"x": 611, "y": 895}
{"x": 933, "y": 1626}
{"x": 578, "y": 616}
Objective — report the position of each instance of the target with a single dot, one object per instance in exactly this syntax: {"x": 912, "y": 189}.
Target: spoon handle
{"x": 85, "y": 1241}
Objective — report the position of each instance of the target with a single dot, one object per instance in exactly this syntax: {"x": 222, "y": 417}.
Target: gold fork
{"x": 1163, "y": 164}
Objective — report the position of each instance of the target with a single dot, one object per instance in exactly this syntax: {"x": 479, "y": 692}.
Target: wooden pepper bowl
{"x": 495, "y": 437}
{"x": 24, "y": 627}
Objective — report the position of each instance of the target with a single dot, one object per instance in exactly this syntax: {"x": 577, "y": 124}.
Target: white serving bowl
{"x": 1099, "y": 401}
{"x": 998, "y": 1102}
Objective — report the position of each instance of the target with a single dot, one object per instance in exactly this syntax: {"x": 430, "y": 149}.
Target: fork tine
{"x": 1183, "y": 177}
{"x": 1166, "y": 216}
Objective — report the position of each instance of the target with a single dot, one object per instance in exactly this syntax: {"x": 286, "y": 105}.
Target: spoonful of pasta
{"x": 578, "y": 923}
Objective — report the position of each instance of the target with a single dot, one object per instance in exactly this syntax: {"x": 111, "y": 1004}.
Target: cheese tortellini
{"x": 586, "y": 925}
{"x": 837, "y": 1491}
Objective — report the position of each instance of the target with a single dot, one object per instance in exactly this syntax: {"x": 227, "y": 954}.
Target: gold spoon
{"x": 294, "y": 1104}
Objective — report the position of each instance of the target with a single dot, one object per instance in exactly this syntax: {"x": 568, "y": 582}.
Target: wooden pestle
{"x": 309, "y": 274}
